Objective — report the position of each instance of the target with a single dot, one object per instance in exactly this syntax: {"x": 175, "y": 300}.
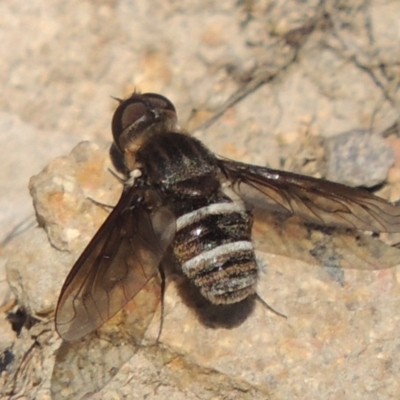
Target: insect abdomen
{"x": 213, "y": 231}
{"x": 214, "y": 247}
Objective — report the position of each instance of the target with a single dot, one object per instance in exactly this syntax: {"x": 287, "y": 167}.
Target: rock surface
{"x": 297, "y": 73}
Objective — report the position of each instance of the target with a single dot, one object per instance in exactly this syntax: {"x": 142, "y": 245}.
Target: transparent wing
{"x": 327, "y": 247}
{"x": 91, "y": 362}
{"x": 314, "y": 200}
{"x": 118, "y": 262}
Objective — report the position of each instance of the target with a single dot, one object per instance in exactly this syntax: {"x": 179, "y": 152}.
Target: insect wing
{"x": 119, "y": 261}
{"x": 317, "y": 201}
{"x": 328, "y": 247}
{"x": 85, "y": 366}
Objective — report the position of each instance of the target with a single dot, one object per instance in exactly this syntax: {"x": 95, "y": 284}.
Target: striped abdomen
{"x": 213, "y": 232}
{"x": 213, "y": 245}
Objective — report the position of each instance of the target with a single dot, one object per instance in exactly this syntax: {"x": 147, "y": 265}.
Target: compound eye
{"x": 132, "y": 113}
{"x": 127, "y": 113}
{"x": 137, "y": 112}
{"x": 159, "y": 102}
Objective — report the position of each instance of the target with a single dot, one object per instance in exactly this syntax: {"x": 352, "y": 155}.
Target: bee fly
{"x": 178, "y": 195}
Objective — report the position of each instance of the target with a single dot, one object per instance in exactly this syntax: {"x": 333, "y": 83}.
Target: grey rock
{"x": 358, "y": 158}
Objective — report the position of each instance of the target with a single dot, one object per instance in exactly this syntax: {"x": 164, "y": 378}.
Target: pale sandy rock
{"x": 35, "y": 272}
{"x": 334, "y": 69}
{"x": 329, "y": 323}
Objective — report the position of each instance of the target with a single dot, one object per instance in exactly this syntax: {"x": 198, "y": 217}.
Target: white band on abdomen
{"x": 212, "y": 209}
{"x": 207, "y": 256}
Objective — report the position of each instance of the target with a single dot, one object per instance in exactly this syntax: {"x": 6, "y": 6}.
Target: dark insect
{"x": 178, "y": 195}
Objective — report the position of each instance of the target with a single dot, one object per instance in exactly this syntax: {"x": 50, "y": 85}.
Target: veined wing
{"x": 119, "y": 261}
{"x": 314, "y": 200}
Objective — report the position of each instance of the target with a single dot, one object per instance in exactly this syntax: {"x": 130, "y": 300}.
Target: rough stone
{"x": 286, "y": 67}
